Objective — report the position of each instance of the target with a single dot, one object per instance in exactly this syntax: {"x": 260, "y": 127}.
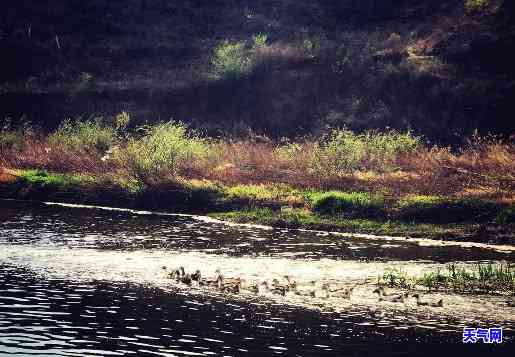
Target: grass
{"x": 347, "y": 203}
{"x": 483, "y": 278}
{"x": 43, "y": 178}
{"x": 303, "y": 218}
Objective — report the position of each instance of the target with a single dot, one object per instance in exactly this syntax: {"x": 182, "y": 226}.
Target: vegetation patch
{"x": 483, "y": 278}
{"x": 45, "y": 179}
{"x": 83, "y": 136}
{"x": 347, "y": 203}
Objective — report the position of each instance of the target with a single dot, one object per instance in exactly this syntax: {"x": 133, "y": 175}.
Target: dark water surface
{"x": 84, "y": 282}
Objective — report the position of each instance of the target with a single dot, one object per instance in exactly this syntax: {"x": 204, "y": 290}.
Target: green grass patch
{"x": 482, "y": 278}
{"x": 45, "y": 179}
{"x": 348, "y": 204}
{"x": 261, "y": 192}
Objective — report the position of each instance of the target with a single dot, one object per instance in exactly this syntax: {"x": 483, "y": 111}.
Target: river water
{"x": 81, "y": 281}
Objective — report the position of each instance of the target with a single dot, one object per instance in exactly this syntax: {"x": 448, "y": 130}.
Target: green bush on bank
{"x": 162, "y": 151}
{"x": 343, "y": 152}
{"x": 11, "y": 140}
{"x": 84, "y": 136}
{"x": 233, "y": 60}
{"x": 347, "y": 203}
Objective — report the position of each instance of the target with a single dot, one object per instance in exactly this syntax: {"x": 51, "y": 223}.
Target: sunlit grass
{"x": 44, "y": 178}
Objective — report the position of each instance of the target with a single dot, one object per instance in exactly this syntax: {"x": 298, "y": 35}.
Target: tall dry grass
{"x": 392, "y": 163}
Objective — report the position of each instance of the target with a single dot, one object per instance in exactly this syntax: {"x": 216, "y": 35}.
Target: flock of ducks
{"x": 285, "y": 287}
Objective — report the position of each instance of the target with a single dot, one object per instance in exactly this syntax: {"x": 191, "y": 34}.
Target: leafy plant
{"x": 89, "y": 136}
{"x": 163, "y": 150}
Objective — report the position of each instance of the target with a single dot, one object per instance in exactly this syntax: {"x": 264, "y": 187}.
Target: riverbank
{"x": 473, "y": 220}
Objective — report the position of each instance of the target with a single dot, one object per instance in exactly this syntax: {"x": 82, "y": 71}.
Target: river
{"x": 86, "y": 281}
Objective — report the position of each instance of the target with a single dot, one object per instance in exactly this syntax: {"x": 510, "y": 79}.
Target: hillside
{"x": 439, "y": 68}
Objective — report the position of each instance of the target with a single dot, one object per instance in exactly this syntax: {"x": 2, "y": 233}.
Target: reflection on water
{"x": 61, "y": 318}
{"x": 88, "y": 228}
{"x": 81, "y": 282}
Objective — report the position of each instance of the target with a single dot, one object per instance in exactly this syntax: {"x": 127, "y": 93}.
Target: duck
{"x": 175, "y": 274}
{"x": 183, "y": 277}
{"x": 214, "y": 281}
{"x": 343, "y": 292}
{"x": 322, "y": 292}
{"x": 197, "y": 277}
{"x": 264, "y": 288}
{"x": 290, "y": 284}
{"x": 244, "y": 285}
{"x": 390, "y": 298}
{"x": 439, "y": 303}
{"x": 231, "y": 287}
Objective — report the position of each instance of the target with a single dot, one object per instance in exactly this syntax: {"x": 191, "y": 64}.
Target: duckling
{"x": 425, "y": 303}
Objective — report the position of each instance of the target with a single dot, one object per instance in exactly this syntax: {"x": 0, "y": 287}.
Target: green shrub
{"x": 475, "y": 5}
{"x": 11, "y": 140}
{"x": 384, "y": 148}
{"x": 231, "y": 60}
{"x": 89, "y": 136}
{"x": 162, "y": 151}
{"x": 121, "y": 122}
{"x": 343, "y": 151}
{"x": 288, "y": 151}
{"x": 506, "y": 216}
{"x": 347, "y": 203}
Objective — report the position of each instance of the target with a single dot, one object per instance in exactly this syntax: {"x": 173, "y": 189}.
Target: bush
{"x": 384, "y": 148}
{"x": 343, "y": 152}
{"x": 233, "y": 60}
{"x": 83, "y": 136}
{"x": 11, "y": 140}
{"x": 475, "y": 5}
{"x": 347, "y": 203}
{"x": 163, "y": 150}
